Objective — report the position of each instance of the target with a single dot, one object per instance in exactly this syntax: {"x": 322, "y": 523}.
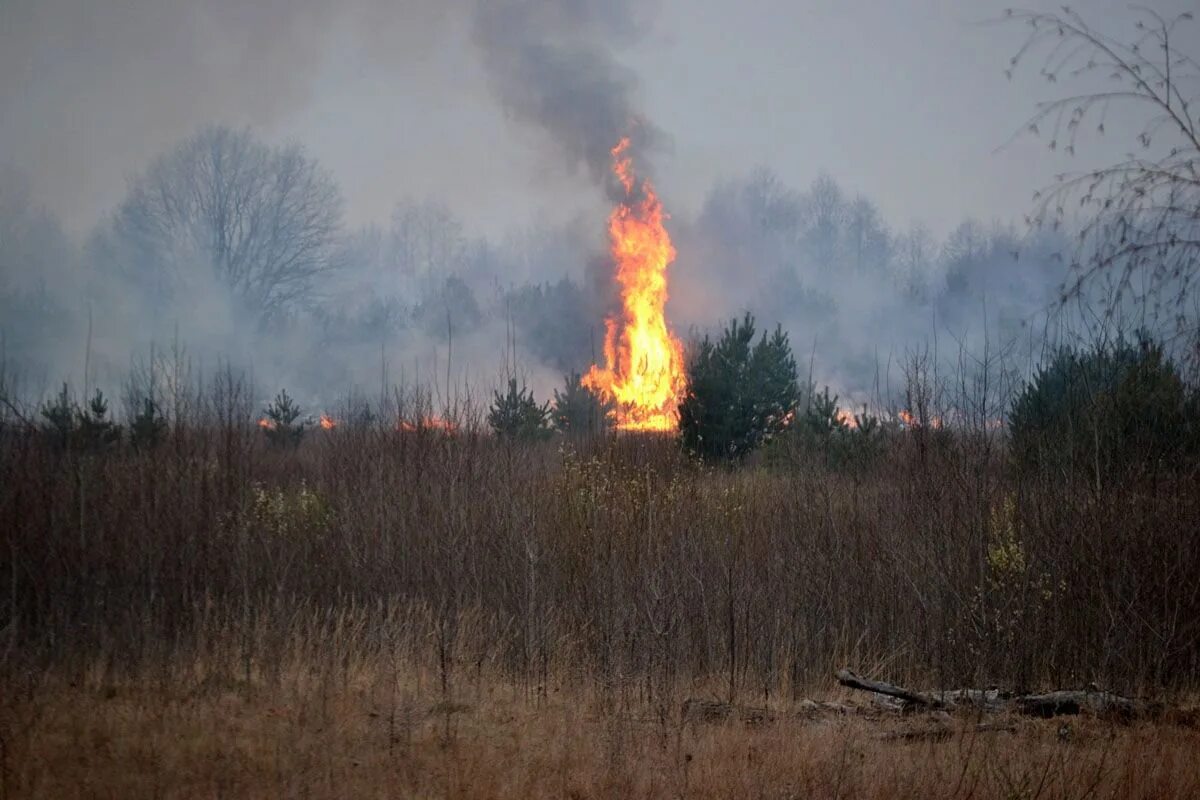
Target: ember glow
{"x": 909, "y": 421}
{"x": 643, "y": 371}
{"x": 266, "y": 424}
{"x": 327, "y": 422}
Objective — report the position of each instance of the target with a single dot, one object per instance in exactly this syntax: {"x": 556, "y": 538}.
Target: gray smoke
{"x": 551, "y": 64}
{"x": 91, "y": 91}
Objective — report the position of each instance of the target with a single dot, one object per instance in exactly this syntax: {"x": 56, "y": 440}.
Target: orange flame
{"x": 909, "y": 421}
{"x": 327, "y": 422}
{"x": 847, "y": 418}
{"x": 266, "y": 424}
{"x": 643, "y": 362}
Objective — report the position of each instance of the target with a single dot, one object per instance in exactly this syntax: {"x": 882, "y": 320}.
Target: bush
{"x": 284, "y": 513}
{"x": 1105, "y": 411}
{"x": 516, "y": 415}
{"x": 741, "y": 394}
{"x": 577, "y": 410}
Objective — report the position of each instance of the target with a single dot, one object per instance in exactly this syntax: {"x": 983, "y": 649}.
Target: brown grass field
{"x": 373, "y": 733}
{"x": 382, "y": 613}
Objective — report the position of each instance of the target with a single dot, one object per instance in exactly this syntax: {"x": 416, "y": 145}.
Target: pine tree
{"x": 1105, "y": 411}
{"x": 94, "y": 429}
{"x": 516, "y": 415}
{"x": 281, "y": 422}
{"x": 59, "y": 419}
{"x": 741, "y": 393}
{"x": 70, "y": 427}
{"x": 147, "y": 427}
{"x": 577, "y": 410}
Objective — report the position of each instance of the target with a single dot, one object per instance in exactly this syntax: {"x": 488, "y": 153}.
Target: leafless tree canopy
{"x": 264, "y": 220}
{"x": 1140, "y": 218}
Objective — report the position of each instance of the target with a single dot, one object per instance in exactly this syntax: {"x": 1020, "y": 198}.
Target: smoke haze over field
{"x": 819, "y": 161}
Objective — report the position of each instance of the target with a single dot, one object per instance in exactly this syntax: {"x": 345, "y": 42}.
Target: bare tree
{"x": 265, "y": 219}
{"x": 1140, "y": 227}
{"x": 428, "y": 243}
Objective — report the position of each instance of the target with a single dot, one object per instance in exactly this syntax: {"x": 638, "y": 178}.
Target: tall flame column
{"x": 643, "y": 373}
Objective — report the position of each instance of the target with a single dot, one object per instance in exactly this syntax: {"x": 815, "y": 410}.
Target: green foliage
{"x": 741, "y": 393}
{"x": 822, "y": 418}
{"x": 1104, "y": 411}
{"x": 1013, "y": 591}
{"x": 516, "y": 415}
{"x": 823, "y": 433}
{"x": 95, "y": 430}
{"x": 147, "y": 427}
{"x": 577, "y": 410}
{"x": 58, "y": 418}
{"x": 289, "y": 512}
{"x": 282, "y": 424}
{"x": 87, "y": 429}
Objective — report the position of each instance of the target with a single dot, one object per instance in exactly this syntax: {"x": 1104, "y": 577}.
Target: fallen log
{"x": 855, "y": 681}
{"x": 1093, "y": 702}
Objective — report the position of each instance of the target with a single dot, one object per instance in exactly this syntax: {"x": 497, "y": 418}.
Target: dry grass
{"x": 382, "y": 613}
{"x": 384, "y": 733}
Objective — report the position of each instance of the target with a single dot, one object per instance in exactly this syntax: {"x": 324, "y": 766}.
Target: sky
{"x": 905, "y": 102}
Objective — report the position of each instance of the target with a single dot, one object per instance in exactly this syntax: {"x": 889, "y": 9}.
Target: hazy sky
{"x": 904, "y": 101}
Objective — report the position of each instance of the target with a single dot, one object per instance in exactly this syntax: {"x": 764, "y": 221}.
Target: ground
{"x": 375, "y": 735}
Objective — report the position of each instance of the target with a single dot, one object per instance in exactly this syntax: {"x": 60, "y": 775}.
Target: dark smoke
{"x": 551, "y": 65}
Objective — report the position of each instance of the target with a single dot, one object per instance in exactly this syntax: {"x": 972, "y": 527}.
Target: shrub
{"x": 741, "y": 393}
{"x": 1104, "y": 411}
{"x": 286, "y": 512}
{"x": 517, "y": 415}
{"x": 578, "y": 410}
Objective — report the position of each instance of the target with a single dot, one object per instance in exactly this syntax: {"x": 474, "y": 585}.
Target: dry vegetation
{"x": 356, "y": 730}
{"x": 416, "y": 613}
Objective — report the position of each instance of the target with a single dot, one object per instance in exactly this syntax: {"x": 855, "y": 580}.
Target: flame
{"x": 327, "y": 422}
{"x": 643, "y": 370}
{"x": 909, "y": 421}
{"x": 266, "y": 424}
{"x": 426, "y": 423}
{"x": 847, "y": 418}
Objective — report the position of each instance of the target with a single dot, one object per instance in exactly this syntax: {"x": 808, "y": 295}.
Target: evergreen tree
{"x": 147, "y": 427}
{"x": 85, "y": 429}
{"x": 516, "y": 415}
{"x": 281, "y": 423}
{"x": 741, "y": 393}
{"x": 94, "y": 428}
{"x": 577, "y": 410}
{"x": 59, "y": 419}
{"x": 824, "y": 433}
{"x": 1104, "y": 411}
